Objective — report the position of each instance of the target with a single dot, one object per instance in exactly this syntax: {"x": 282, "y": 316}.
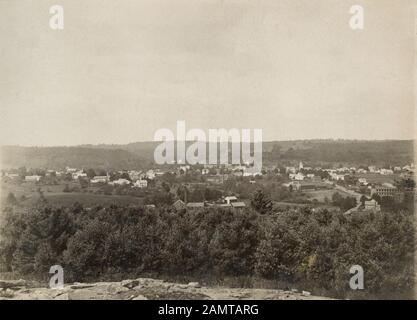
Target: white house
{"x": 120, "y": 182}
{"x": 34, "y": 178}
{"x": 50, "y": 173}
{"x": 141, "y": 184}
{"x": 135, "y": 175}
{"x": 386, "y": 171}
{"x": 363, "y": 181}
{"x": 150, "y": 174}
{"x": 100, "y": 179}
{"x": 297, "y": 176}
{"x": 230, "y": 199}
{"x": 337, "y": 177}
{"x": 12, "y": 175}
{"x": 372, "y": 205}
{"x": 79, "y": 174}
{"x": 290, "y": 170}
{"x": 252, "y": 174}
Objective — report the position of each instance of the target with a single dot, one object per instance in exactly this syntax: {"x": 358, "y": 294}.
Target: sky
{"x": 121, "y": 70}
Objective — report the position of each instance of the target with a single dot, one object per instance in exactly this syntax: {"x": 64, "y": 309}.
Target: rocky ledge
{"x": 141, "y": 289}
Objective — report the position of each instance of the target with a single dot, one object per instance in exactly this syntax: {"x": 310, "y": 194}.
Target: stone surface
{"x": 4, "y": 284}
{"x": 130, "y": 283}
{"x": 194, "y": 285}
{"x": 140, "y": 297}
{"x": 142, "y": 289}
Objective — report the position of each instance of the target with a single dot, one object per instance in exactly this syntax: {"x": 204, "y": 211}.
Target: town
{"x": 350, "y": 189}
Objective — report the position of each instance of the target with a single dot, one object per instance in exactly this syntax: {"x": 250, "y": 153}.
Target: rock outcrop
{"x": 141, "y": 289}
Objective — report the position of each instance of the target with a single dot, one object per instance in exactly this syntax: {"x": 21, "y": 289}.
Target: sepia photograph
{"x": 197, "y": 150}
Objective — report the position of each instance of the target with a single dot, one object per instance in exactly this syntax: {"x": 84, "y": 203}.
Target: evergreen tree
{"x": 261, "y": 202}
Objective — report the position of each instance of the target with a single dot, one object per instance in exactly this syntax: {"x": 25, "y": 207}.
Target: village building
{"x": 297, "y": 176}
{"x": 362, "y": 181}
{"x": 238, "y": 173}
{"x": 386, "y": 171}
{"x": 290, "y": 170}
{"x": 70, "y": 170}
{"x": 120, "y": 182}
{"x": 249, "y": 173}
{"x": 150, "y": 174}
{"x": 238, "y": 204}
{"x": 135, "y": 175}
{"x": 50, "y": 173}
{"x": 306, "y": 185}
{"x": 184, "y": 169}
{"x": 196, "y": 205}
{"x": 230, "y": 199}
{"x": 179, "y": 205}
{"x": 141, "y": 184}
{"x": 78, "y": 174}
{"x": 100, "y": 179}
{"x": 384, "y": 190}
{"x": 12, "y": 175}
{"x": 372, "y": 205}
{"x": 33, "y": 178}
{"x": 337, "y": 177}
{"x": 215, "y": 179}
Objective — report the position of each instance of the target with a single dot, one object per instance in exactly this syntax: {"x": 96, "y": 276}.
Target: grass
{"x": 88, "y": 199}
{"x": 320, "y": 195}
{"x": 55, "y": 196}
{"x": 378, "y": 178}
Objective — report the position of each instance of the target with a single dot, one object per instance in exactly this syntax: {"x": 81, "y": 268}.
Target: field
{"x": 55, "y": 196}
{"x": 88, "y": 199}
{"x": 320, "y": 195}
{"x": 378, "y": 178}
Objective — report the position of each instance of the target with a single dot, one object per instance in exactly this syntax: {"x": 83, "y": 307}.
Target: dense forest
{"x": 380, "y": 153}
{"x": 140, "y": 154}
{"x": 310, "y": 248}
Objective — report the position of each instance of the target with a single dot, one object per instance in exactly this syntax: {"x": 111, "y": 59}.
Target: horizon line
{"x": 153, "y": 141}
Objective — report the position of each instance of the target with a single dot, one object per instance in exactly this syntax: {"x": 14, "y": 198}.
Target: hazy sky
{"x": 120, "y": 70}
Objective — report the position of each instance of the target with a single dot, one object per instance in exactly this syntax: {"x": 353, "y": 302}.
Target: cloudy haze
{"x": 120, "y": 70}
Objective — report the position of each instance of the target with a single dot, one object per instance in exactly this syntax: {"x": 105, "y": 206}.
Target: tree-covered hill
{"x": 140, "y": 154}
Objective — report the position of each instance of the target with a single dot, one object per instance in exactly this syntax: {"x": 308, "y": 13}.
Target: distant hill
{"x": 144, "y": 149}
{"x": 380, "y": 153}
{"x": 140, "y": 154}
{"x": 355, "y": 152}
{"x": 60, "y": 157}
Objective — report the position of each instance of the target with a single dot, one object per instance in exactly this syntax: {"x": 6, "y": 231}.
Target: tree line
{"x": 311, "y": 248}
